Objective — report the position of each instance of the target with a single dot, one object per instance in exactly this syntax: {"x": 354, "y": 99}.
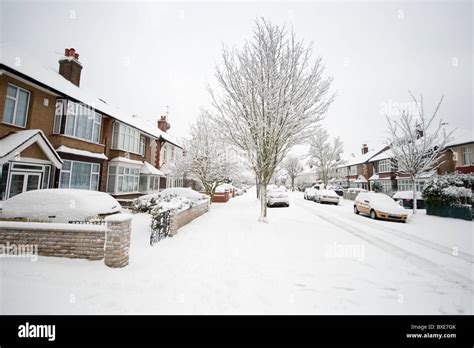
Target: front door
{"x": 22, "y": 182}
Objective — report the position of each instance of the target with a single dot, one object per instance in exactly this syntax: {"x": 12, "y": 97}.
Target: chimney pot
{"x": 76, "y": 56}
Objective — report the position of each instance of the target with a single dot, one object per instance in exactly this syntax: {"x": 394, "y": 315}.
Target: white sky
{"x": 142, "y": 56}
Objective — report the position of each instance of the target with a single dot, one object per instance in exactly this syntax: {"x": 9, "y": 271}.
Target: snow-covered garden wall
{"x": 184, "y": 217}
{"x": 92, "y": 242}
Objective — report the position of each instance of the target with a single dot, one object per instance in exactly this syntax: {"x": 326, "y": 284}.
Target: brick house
{"x": 53, "y": 134}
{"x": 356, "y": 171}
{"x": 457, "y": 156}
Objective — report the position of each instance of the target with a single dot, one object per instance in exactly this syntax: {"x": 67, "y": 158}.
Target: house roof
{"x": 14, "y": 143}
{"x": 362, "y": 158}
{"x": 461, "y": 136}
{"x": 65, "y": 149}
{"x": 20, "y": 63}
{"x": 147, "y": 168}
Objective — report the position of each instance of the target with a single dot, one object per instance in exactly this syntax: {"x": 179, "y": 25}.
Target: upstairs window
{"x": 128, "y": 139}
{"x": 385, "y": 166}
{"x": 77, "y": 120}
{"x": 16, "y": 106}
{"x": 353, "y": 170}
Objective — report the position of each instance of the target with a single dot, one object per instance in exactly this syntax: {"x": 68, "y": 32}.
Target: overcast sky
{"x": 142, "y": 56}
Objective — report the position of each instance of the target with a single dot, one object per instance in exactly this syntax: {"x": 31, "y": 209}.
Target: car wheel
{"x": 373, "y": 215}
{"x": 356, "y": 211}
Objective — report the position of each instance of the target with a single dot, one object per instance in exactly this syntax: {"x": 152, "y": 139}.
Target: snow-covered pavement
{"x": 309, "y": 259}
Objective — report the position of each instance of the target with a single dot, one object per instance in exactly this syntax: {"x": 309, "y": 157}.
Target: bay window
{"x": 128, "y": 139}
{"x": 79, "y": 175}
{"x": 77, "y": 120}
{"x": 123, "y": 178}
{"x": 16, "y": 106}
{"x": 407, "y": 185}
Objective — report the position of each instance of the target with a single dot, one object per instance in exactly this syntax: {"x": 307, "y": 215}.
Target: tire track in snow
{"x": 423, "y": 242}
{"x": 395, "y": 250}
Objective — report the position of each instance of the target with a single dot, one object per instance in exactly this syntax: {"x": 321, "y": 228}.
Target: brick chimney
{"x": 365, "y": 149}
{"x": 70, "y": 67}
{"x": 163, "y": 123}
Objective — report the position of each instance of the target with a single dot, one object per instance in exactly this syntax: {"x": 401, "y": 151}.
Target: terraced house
{"x": 55, "y": 135}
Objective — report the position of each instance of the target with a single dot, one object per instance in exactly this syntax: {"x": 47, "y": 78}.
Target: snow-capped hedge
{"x": 177, "y": 199}
{"x": 453, "y": 188}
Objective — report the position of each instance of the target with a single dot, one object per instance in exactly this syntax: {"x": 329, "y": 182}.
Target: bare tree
{"x": 270, "y": 96}
{"x": 207, "y": 156}
{"x": 325, "y": 154}
{"x": 293, "y": 168}
{"x": 416, "y": 141}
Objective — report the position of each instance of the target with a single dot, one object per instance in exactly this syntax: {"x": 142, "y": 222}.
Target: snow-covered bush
{"x": 376, "y": 186}
{"x": 453, "y": 188}
{"x": 143, "y": 205}
{"x": 177, "y": 199}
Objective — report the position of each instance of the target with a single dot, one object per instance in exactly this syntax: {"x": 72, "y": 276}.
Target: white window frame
{"x": 126, "y": 168}
{"x": 74, "y": 111}
{"x": 15, "y": 99}
{"x": 385, "y": 166}
{"x": 122, "y": 137}
{"x": 92, "y": 172}
{"x": 353, "y": 170}
{"x": 466, "y": 150}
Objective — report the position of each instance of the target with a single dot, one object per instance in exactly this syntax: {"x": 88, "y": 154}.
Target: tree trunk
{"x": 263, "y": 203}
{"x": 414, "y": 195}
{"x": 292, "y": 184}
{"x": 257, "y": 184}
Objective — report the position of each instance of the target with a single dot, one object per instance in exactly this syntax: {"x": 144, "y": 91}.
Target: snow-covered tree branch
{"x": 325, "y": 154}
{"x": 416, "y": 141}
{"x": 207, "y": 158}
{"x": 270, "y": 97}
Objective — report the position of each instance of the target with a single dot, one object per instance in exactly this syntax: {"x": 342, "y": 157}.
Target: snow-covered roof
{"x": 407, "y": 195}
{"x": 65, "y": 149}
{"x": 16, "y": 61}
{"x": 377, "y": 177}
{"x": 361, "y": 179}
{"x": 362, "y": 158}
{"x": 461, "y": 136}
{"x": 381, "y": 156}
{"x": 147, "y": 168}
{"x": 126, "y": 160}
{"x": 14, "y": 143}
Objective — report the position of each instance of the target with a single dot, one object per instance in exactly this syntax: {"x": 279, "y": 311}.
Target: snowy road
{"x": 309, "y": 259}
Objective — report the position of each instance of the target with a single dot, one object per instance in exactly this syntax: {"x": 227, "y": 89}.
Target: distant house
{"x": 356, "y": 170}
{"x": 55, "y": 135}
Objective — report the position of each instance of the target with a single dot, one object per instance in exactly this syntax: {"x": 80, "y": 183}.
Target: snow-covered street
{"x": 309, "y": 259}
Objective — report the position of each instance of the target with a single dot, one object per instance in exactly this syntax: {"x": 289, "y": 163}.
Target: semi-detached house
{"x": 55, "y": 135}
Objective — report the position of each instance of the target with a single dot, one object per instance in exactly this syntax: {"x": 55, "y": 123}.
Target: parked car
{"x": 309, "y": 193}
{"x": 326, "y": 196}
{"x": 278, "y": 196}
{"x": 405, "y": 199}
{"x": 337, "y": 189}
{"x": 379, "y": 206}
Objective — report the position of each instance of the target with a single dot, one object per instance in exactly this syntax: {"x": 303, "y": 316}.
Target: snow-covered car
{"x": 278, "y": 196}
{"x": 326, "y": 196}
{"x": 379, "y": 206}
{"x": 337, "y": 189}
{"x": 309, "y": 193}
{"x": 59, "y": 205}
{"x": 405, "y": 199}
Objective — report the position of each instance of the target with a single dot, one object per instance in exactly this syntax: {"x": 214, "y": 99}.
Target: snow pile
{"x": 59, "y": 205}
{"x": 224, "y": 188}
{"x": 407, "y": 195}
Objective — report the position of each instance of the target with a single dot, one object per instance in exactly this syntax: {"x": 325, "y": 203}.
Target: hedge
{"x": 454, "y": 211}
